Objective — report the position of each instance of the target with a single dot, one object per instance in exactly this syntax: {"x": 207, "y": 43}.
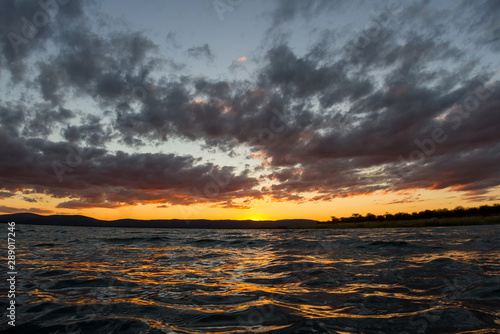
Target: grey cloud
{"x": 333, "y": 121}
{"x": 12, "y": 117}
{"x": 105, "y": 67}
{"x": 45, "y": 119}
{"x": 26, "y": 26}
{"x": 484, "y": 22}
{"x": 380, "y": 125}
{"x": 92, "y": 132}
{"x": 97, "y": 178}
{"x": 6, "y": 194}
{"x": 35, "y": 120}
{"x": 30, "y": 200}
{"x": 9, "y": 209}
{"x": 171, "y": 39}
{"x": 201, "y": 52}
{"x": 286, "y": 11}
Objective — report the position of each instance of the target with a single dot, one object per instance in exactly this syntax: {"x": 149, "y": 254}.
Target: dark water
{"x": 106, "y": 280}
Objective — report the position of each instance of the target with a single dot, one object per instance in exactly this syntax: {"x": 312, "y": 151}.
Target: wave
{"x": 260, "y": 281}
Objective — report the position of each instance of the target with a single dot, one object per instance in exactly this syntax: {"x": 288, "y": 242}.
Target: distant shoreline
{"x": 78, "y": 220}
{"x": 441, "y": 222}
{"x": 83, "y": 221}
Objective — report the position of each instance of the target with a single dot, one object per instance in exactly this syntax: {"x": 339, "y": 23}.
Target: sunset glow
{"x": 250, "y": 166}
{"x": 180, "y": 113}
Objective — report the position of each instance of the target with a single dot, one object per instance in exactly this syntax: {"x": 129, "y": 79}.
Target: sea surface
{"x": 111, "y": 280}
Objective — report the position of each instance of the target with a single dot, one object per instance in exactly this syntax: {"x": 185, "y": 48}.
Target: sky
{"x": 248, "y": 109}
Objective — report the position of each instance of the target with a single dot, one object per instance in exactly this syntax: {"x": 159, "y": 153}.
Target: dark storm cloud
{"x": 382, "y": 123}
{"x": 222, "y": 119}
{"x": 338, "y": 120}
{"x": 329, "y": 178}
{"x": 92, "y": 132}
{"x": 302, "y": 78}
{"x": 35, "y": 120}
{"x": 101, "y": 65}
{"x": 470, "y": 170}
{"x": 45, "y": 119}
{"x": 25, "y": 27}
{"x": 100, "y": 179}
{"x": 12, "y": 117}
{"x": 219, "y": 90}
{"x": 399, "y": 131}
{"x": 105, "y": 67}
{"x": 201, "y": 52}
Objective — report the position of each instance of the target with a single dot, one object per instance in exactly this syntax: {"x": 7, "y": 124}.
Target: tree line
{"x": 459, "y": 211}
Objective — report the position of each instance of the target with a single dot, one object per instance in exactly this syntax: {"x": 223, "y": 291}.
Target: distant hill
{"x": 67, "y": 220}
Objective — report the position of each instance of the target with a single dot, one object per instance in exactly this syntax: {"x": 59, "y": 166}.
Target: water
{"x": 109, "y": 280}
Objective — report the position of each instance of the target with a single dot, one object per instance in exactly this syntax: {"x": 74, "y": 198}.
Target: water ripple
{"x": 107, "y": 280}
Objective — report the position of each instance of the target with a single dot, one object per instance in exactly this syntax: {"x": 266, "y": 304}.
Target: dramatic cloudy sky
{"x": 248, "y": 108}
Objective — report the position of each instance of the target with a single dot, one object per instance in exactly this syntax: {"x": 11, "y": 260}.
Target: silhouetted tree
{"x": 459, "y": 211}
{"x": 389, "y": 216}
{"x": 370, "y": 217}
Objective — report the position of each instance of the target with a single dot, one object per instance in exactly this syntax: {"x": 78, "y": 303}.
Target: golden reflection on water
{"x": 42, "y": 296}
{"x": 211, "y": 280}
{"x": 227, "y": 278}
{"x": 227, "y": 273}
